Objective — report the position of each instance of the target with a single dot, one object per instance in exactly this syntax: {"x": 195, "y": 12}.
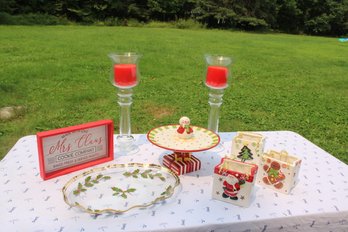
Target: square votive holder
{"x": 247, "y": 147}
{"x": 279, "y": 171}
{"x": 233, "y": 181}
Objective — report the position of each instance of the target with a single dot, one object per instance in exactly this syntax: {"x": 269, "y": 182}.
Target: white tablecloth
{"x": 319, "y": 202}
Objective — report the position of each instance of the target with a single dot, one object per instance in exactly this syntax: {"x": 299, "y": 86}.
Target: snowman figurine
{"x": 184, "y": 130}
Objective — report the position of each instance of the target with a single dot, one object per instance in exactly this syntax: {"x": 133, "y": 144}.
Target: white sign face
{"x": 76, "y": 147}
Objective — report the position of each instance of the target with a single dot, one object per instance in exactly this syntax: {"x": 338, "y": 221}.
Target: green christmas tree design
{"x": 245, "y": 154}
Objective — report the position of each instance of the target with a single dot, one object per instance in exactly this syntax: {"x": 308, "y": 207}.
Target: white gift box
{"x": 233, "y": 181}
{"x": 279, "y": 171}
{"x": 247, "y": 146}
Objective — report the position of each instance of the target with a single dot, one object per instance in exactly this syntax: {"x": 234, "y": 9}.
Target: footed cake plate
{"x": 166, "y": 137}
{"x": 182, "y": 161}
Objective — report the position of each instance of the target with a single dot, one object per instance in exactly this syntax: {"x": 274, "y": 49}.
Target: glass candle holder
{"x": 217, "y": 79}
{"x": 125, "y": 76}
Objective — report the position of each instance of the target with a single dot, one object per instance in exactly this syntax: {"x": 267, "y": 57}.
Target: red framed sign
{"x": 69, "y": 149}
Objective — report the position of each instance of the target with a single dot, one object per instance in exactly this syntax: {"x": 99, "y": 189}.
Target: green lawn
{"x": 280, "y": 82}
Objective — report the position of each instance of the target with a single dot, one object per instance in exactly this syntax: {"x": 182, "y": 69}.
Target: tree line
{"x": 318, "y": 17}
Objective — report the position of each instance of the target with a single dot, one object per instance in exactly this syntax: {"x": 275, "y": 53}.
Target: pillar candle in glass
{"x": 217, "y": 79}
{"x": 125, "y": 76}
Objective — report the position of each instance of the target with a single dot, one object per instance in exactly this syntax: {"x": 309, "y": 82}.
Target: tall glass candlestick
{"x": 215, "y": 101}
{"x": 125, "y": 101}
{"x": 216, "y": 79}
{"x": 125, "y": 76}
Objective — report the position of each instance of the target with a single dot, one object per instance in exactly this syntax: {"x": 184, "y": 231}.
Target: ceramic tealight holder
{"x": 279, "y": 171}
{"x": 247, "y": 147}
{"x": 233, "y": 181}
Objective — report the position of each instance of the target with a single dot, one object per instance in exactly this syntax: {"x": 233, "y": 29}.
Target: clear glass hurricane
{"x": 217, "y": 78}
{"x": 125, "y": 76}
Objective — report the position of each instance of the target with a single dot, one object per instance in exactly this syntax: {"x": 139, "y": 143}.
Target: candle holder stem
{"x": 215, "y": 101}
{"x": 125, "y": 139}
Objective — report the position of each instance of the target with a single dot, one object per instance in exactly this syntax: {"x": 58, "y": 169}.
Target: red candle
{"x": 216, "y": 77}
{"x": 125, "y": 75}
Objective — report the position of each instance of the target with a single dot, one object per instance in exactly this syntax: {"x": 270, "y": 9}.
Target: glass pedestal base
{"x": 126, "y": 144}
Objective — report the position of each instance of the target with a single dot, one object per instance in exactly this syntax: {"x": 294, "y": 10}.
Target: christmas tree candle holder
{"x": 247, "y": 147}
{"x": 217, "y": 80}
{"x": 125, "y": 76}
{"x": 279, "y": 171}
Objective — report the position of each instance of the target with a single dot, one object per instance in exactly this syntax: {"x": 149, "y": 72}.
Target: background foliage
{"x": 318, "y": 17}
{"x": 60, "y": 74}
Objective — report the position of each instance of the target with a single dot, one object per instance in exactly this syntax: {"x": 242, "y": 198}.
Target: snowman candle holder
{"x": 125, "y": 76}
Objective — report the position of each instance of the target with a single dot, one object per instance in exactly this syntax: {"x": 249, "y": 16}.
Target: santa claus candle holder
{"x": 234, "y": 181}
{"x": 279, "y": 171}
{"x": 247, "y": 147}
{"x": 217, "y": 80}
{"x": 125, "y": 76}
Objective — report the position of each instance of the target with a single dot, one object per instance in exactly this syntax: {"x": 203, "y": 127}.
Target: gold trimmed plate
{"x": 118, "y": 188}
{"x": 166, "y": 137}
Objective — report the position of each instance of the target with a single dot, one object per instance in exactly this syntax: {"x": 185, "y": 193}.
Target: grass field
{"x": 280, "y": 82}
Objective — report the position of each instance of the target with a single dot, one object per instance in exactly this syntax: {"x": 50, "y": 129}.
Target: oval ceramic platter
{"x": 118, "y": 188}
{"x": 166, "y": 137}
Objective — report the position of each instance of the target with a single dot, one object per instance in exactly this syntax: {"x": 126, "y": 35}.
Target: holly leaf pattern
{"x": 131, "y": 190}
{"x": 80, "y": 189}
{"x": 122, "y": 193}
{"x": 127, "y": 174}
{"x": 159, "y": 175}
{"x": 168, "y": 191}
{"x": 89, "y": 182}
{"x": 116, "y": 189}
{"x": 145, "y": 174}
